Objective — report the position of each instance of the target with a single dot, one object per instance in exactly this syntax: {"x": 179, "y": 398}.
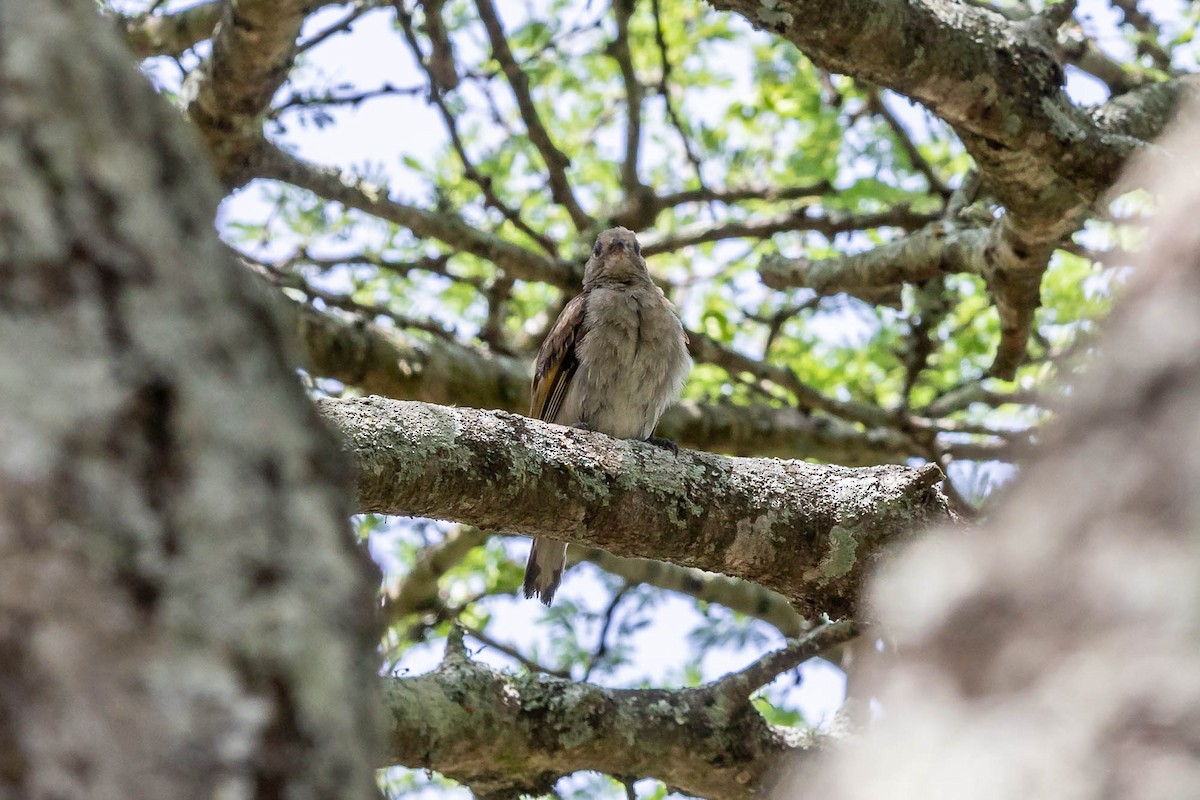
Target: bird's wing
{"x": 557, "y": 361}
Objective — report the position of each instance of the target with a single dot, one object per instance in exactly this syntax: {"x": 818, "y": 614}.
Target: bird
{"x": 615, "y": 358}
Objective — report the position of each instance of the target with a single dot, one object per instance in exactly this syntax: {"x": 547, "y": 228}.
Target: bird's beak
{"x": 619, "y": 244}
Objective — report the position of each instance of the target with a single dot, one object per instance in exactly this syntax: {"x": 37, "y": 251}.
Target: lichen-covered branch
{"x": 808, "y": 531}
{"x": 941, "y": 247}
{"x": 1057, "y": 646}
{"x": 503, "y": 735}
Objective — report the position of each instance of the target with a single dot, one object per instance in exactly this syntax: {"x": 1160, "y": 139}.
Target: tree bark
{"x": 182, "y": 611}
{"x": 809, "y": 531}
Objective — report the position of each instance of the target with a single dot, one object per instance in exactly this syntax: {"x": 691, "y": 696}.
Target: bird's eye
{"x": 637, "y": 247}
{"x": 596, "y": 249}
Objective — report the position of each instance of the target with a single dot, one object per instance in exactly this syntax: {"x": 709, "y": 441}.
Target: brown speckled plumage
{"x": 613, "y": 362}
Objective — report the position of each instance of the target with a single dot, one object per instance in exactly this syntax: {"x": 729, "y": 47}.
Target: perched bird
{"x": 614, "y": 360}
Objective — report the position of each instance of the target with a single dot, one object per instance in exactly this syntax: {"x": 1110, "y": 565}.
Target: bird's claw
{"x": 665, "y": 444}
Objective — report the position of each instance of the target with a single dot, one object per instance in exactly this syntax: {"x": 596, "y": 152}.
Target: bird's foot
{"x": 582, "y": 426}
{"x": 665, "y": 444}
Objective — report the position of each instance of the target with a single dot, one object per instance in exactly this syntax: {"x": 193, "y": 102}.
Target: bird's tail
{"x": 544, "y": 570}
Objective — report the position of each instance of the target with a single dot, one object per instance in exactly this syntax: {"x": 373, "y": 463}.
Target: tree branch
{"x": 418, "y": 590}
{"x": 439, "y": 72}
{"x": 938, "y": 248}
{"x": 503, "y": 735}
{"x": 878, "y": 106}
{"x": 397, "y": 363}
{"x": 664, "y": 91}
{"x": 740, "y": 194}
{"x": 169, "y": 34}
{"x": 1007, "y": 640}
{"x": 1147, "y": 42}
{"x": 619, "y": 50}
{"x": 331, "y": 184}
{"x": 357, "y": 9}
{"x": 556, "y": 161}
{"x": 183, "y": 612}
{"x": 737, "y": 595}
{"x": 802, "y": 219}
{"x": 253, "y": 47}
{"x": 807, "y": 531}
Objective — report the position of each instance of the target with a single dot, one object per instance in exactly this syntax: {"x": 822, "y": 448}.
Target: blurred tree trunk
{"x": 182, "y": 610}
{"x": 1056, "y": 653}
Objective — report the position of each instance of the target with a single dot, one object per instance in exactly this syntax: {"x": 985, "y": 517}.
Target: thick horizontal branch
{"x": 503, "y": 735}
{"x": 808, "y": 531}
{"x": 400, "y": 364}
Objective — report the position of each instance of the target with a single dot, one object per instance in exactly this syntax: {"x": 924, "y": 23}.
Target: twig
{"x": 355, "y": 98}
{"x": 738, "y": 686}
{"x": 444, "y": 226}
{"x": 742, "y": 193}
{"x": 513, "y": 653}
{"x": 609, "y": 614}
{"x": 484, "y": 182}
{"x": 877, "y": 106}
{"x": 285, "y": 279}
{"x": 664, "y": 91}
{"x": 619, "y": 50}
{"x": 1147, "y": 44}
{"x": 802, "y": 219}
{"x": 357, "y": 9}
{"x": 738, "y": 596}
{"x": 556, "y": 161}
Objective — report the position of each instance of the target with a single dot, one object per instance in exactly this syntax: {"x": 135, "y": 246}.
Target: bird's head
{"x": 616, "y": 258}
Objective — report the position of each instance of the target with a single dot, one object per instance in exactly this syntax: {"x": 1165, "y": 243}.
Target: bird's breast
{"x": 632, "y": 362}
